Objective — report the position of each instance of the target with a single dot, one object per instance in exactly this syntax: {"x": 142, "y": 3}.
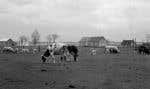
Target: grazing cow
{"x": 93, "y": 51}
{"x": 25, "y": 51}
{"x": 111, "y": 49}
{"x": 52, "y": 50}
{"x": 60, "y": 49}
{"x": 143, "y": 49}
{"x": 16, "y": 50}
{"x": 46, "y": 54}
{"x": 73, "y": 50}
{"x": 35, "y": 51}
{"x": 8, "y": 50}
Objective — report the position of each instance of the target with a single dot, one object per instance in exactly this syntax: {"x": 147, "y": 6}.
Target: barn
{"x": 71, "y": 43}
{"x": 97, "y": 41}
{"x": 128, "y": 43}
{"x": 7, "y": 42}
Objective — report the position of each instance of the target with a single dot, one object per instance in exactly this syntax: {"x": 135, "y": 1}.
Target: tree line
{"x": 35, "y": 38}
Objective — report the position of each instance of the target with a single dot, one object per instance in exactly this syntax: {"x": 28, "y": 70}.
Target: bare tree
{"x": 35, "y": 37}
{"x": 54, "y": 37}
{"x": 49, "y": 38}
{"x": 23, "y": 39}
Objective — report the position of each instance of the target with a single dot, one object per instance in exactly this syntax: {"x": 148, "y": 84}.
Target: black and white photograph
{"x": 74, "y": 44}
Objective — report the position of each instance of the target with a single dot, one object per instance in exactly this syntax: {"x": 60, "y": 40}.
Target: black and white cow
{"x": 34, "y": 51}
{"x": 8, "y": 50}
{"x": 93, "y": 51}
{"x": 25, "y": 50}
{"x": 111, "y": 49}
{"x": 143, "y": 49}
{"x": 73, "y": 50}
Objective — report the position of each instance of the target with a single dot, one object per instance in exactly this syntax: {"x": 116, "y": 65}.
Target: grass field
{"x": 102, "y": 71}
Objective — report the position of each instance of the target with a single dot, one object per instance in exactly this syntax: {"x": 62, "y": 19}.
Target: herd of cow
{"x": 140, "y": 49}
{"x": 64, "y": 51}
{"x": 17, "y": 50}
{"x": 67, "y": 52}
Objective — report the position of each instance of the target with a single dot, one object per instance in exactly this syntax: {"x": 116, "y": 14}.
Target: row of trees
{"x": 35, "y": 38}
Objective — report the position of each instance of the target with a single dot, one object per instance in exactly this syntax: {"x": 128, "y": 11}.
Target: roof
{"x": 93, "y": 39}
{"x": 4, "y": 39}
{"x": 96, "y": 39}
{"x": 128, "y": 41}
{"x": 84, "y": 39}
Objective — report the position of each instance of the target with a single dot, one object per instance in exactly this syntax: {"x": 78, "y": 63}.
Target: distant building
{"x": 97, "y": 41}
{"x": 128, "y": 43}
{"x": 42, "y": 43}
{"x": 7, "y": 42}
{"x": 72, "y": 43}
{"x": 113, "y": 43}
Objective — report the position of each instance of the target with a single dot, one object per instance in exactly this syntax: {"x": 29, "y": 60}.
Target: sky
{"x": 116, "y": 20}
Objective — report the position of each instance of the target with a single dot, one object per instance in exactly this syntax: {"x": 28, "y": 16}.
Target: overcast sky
{"x": 72, "y": 19}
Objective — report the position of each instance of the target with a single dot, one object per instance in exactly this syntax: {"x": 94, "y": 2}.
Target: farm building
{"x": 71, "y": 43}
{"x": 113, "y": 43}
{"x": 128, "y": 43}
{"x": 7, "y": 42}
{"x": 98, "y": 41}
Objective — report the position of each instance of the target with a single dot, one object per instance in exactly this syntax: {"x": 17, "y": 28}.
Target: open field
{"x": 102, "y": 71}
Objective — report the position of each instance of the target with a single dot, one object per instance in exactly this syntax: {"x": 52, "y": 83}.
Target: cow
{"x": 111, "y": 49}
{"x": 143, "y": 49}
{"x": 73, "y": 50}
{"x": 25, "y": 50}
{"x": 63, "y": 50}
{"x": 16, "y": 50}
{"x": 93, "y": 51}
{"x": 8, "y": 50}
{"x": 34, "y": 51}
{"x": 46, "y": 54}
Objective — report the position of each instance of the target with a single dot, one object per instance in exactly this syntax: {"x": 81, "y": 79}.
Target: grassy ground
{"x": 102, "y": 71}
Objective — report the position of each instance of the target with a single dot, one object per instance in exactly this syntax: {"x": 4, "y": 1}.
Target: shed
{"x": 7, "y": 42}
{"x": 128, "y": 43}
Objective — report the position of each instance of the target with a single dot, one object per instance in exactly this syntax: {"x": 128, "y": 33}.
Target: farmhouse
{"x": 128, "y": 43}
{"x": 7, "y": 42}
{"x": 97, "y": 41}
